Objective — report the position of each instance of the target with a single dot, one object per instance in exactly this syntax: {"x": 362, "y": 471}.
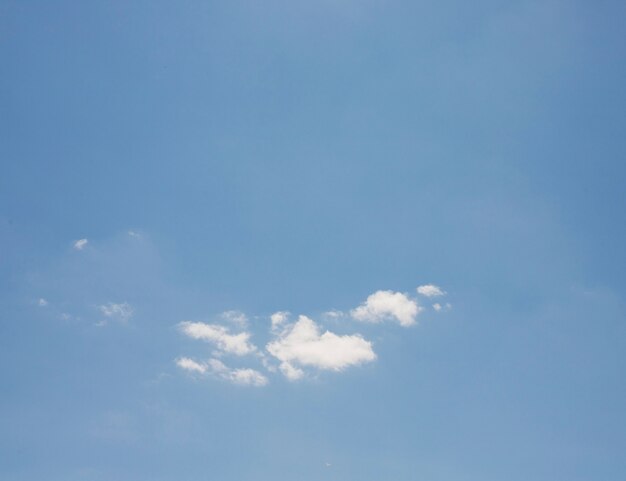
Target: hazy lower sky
{"x": 302, "y": 241}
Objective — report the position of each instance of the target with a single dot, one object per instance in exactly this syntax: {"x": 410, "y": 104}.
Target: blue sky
{"x": 215, "y": 218}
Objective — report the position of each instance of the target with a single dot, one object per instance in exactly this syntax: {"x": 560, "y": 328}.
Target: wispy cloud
{"x": 241, "y": 376}
{"x": 80, "y": 244}
{"x": 238, "y": 344}
{"x": 442, "y": 307}
{"x": 191, "y": 365}
{"x": 236, "y": 317}
{"x": 387, "y": 305}
{"x": 302, "y": 344}
{"x": 290, "y": 371}
{"x": 333, "y": 314}
{"x": 119, "y": 312}
{"x": 42, "y": 302}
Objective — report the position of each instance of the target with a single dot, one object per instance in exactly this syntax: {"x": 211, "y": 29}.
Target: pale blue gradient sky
{"x": 300, "y": 156}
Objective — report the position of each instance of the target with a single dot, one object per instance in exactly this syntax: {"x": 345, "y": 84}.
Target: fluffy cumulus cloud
{"x": 430, "y": 290}
{"x": 238, "y": 344}
{"x": 120, "y": 312}
{"x": 80, "y": 244}
{"x": 303, "y": 344}
{"x": 298, "y": 348}
{"x": 387, "y": 305}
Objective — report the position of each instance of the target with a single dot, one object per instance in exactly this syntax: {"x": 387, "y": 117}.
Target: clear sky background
{"x": 296, "y": 156}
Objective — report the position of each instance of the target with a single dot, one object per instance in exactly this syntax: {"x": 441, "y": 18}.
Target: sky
{"x": 328, "y": 240}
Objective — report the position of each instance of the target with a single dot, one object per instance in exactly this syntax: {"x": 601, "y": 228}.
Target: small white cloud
{"x": 333, "y": 314}
{"x": 191, "y": 365}
{"x": 120, "y": 312}
{"x": 247, "y": 377}
{"x": 442, "y": 307}
{"x": 242, "y": 376}
{"x": 430, "y": 290}
{"x": 42, "y": 302}
{"x": 80, "y": 244}
{"x": 278, "y": 319}
{"x": 65, "y": 316}
{"x": 302, "y": 343}
{"x": 236, "y": 317}
{"x": 134, "y": 234}
{"x": 386, "y": 305}
{"x": 238, "y": 344}
{"x": 290, "y": 371}
{"x": 217, "y": 366}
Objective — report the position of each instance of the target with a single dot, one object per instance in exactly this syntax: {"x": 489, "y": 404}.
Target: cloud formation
{"x": 387, "y": 305}
{"x": 302, "y": 344}
{"x": 191, "y": 365}
{"x": 80, "y": 244}
{"x": 297, "y": 348}
{"x": 333, "y": 314}
{"x": 120, "y": 312}
{"x": 278, "y": 319}
{"x": 439, "y": 307}
{"x": 243, "y": 376}
{"x": 430, "y": 290}
{"x": 238, "y": 344}
{"x": 290, "y": 371}
{"x": 236, "y": 317}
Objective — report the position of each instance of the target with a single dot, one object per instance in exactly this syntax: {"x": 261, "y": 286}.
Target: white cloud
{"x": 300, "y": 347}
{"x": 247, "y": 377}
{"x": 301, "y": 343}
{"x": 278, "y": 319}
{"x": 290, "y": 371}
{"x": 438, "y": 307}
{"x": 384, "y": 305}
{"x": 236, "y": 317}
{"x": 132, "y": 233}
{"x": 430, "y": 290}
{"x": 238, "y": 344}
{"x": 243, "y": 376}
{"x": 121, "y": 312}
{"x": 191, "y": 365}
{"x": 80, "y": 244}
{"x": 42, "y": 302}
